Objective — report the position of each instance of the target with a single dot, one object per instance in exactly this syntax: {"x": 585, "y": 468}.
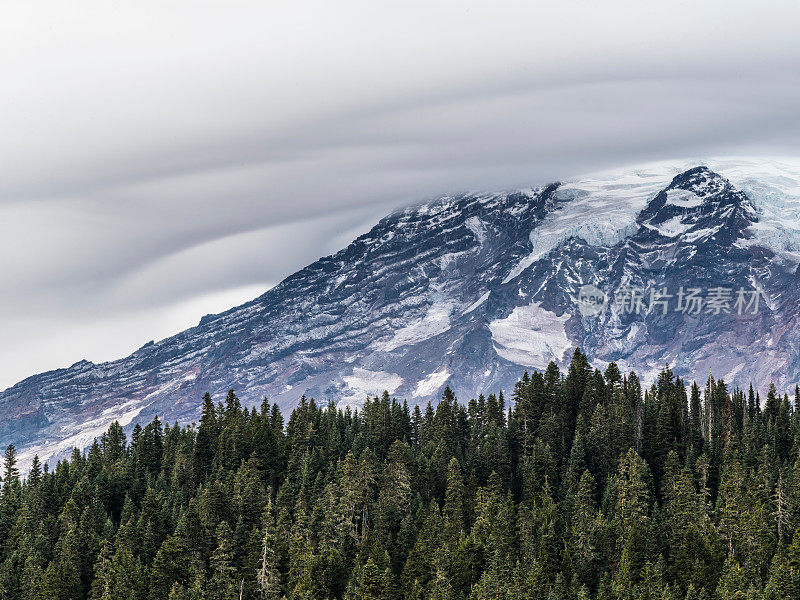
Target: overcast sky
{"x": 162, "y": 160}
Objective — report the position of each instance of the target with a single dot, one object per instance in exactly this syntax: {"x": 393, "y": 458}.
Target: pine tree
{"x": 35, "y": 474}
{"x": 630, "y": 508}
{"x": 103, "y": 584}
{"x": 454, "y": 502}
{"x": 206, "y": 440}
{"x": 268, "y": 578}
{"x": 583, "y": 523}
{"x": 783, "y": 434}
{"x": 371, "y": 583}
{"x": 223, "y": 583}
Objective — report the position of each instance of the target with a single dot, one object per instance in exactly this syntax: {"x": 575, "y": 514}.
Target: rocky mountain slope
{"x": 695, "y": 266}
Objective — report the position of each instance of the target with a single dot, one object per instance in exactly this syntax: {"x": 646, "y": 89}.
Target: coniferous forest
{"x": 580, "y": 485}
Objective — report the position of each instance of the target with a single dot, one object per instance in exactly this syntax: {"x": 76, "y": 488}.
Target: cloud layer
{"x": 163, "y": 160}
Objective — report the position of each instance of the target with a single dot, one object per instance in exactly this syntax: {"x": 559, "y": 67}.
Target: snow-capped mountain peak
{"x": 469, "y": 290}
{"x": 699, "y": 204}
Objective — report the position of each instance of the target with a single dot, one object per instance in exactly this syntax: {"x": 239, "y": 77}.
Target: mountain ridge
{"x": 471, "y": 288}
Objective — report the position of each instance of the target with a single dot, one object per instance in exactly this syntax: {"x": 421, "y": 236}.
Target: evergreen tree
{"x": 454, "y": 502}
{"x": 269, "y": 578}
{"x": 223, "y": 583}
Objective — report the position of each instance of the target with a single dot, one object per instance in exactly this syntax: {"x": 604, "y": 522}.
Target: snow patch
{"x": 477, "y": 303}
{"x": 81, "y": 435}
{"x": 670, "y": 228}
{"x": 531, "y": 336}
{"x": 363, "y": 383}
{"x": 432, "y": 383}
{"x": 683, "y": 198}
{"x": 435, "y": 321}
{"x": 700, "y": 234}
{"x": 729, "y": 376}
{"x": 477, "y": 227}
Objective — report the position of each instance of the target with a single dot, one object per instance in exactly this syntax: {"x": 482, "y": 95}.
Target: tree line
{"x": 586, "y": 486}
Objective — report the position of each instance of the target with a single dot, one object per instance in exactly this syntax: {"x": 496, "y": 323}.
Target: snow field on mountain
{"x": 670, "y": 228}
{"x": 600, "y": 209}
{"x": 435, "y": 321}
{"x": 432, "y": 383}
{"x": 531, "y": 336}
{"x": 683, "y": 198}
{"x": 363, "y": 383}
{"x": 774, "y": 187}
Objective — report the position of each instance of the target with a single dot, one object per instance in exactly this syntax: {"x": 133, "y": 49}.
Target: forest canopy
{"x": 580, "y": 485}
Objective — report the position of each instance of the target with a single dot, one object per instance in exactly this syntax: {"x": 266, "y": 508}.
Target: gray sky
{"x": 163, "y": 160}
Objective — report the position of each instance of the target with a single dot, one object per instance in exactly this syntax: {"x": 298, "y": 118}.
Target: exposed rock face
{"x": 470, "y": 290}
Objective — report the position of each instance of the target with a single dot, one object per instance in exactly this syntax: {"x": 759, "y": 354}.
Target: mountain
{"x": 471, "y": 289}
